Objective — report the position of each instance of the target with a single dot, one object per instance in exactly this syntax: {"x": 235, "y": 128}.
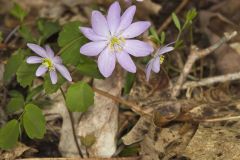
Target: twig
{"x": 169, "y": 19}
{"x": 72, "y": 125}
{"x": 11, "y": 34}
{"x": 120, "y": 158}
{"x": 212, "y": 80}
{"x": 131, "y": 105}
{"x": 221, "y": 119}
{"x": 193, "y": 57}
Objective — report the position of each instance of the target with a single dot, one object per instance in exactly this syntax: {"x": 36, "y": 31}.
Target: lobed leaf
{"x": 47, "y": 29}
{"x": 34, "y": 122}
{"x": 89, "y": 67}
{"x": 9, "y": 134}
{"x": 51, "y": 88}
{"x": 26, "y": 74}
{"x": 79, "y": 97}
{"x": 15, "y": 104}
{"x": 70, "y": 40}
{"x": 12, "y": 65}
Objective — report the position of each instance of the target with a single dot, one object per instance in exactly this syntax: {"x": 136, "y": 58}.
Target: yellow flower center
{"x": 48, "y": 63}
{"x": 116, "y": 44}
{"x": 162, "y": 59}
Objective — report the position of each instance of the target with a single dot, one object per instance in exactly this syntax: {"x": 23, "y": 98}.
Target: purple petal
{"x": 34, "y": 60}
{"x": 149, "y": 69}
{"x": 138, "y": 48}
{"x": 126, "y": 62}
{"x": 99, "y": 24}
{"x": 164, "y": 50}
{"x": 156, "y": 64}
{"x": 91, "y": 35}
{"x": 93, "y": 48}
{"x": 126, "y": 18}
{"x": 37, "y": 49}
{"x": 57, "y": 60}
{"x": 113, "y": 17}
{"x": 64, "y": 72}
{"x": 106, "y": 62}
{"x": 49, "y": 51}
{"x": 136, "y": 29}
{"x": 53, "y": 77}
{"x": 41, "y": 70}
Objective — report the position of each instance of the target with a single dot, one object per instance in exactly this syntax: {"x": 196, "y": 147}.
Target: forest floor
{"x": 188, "y": 111}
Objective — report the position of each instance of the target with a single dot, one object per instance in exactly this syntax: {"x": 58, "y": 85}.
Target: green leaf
{"x": 79, "y": 97}
{"x": 15, "y": 104}
{"x": 69, "y": 33}
{"x": 89, "y": 67}
{"x": 52, "y": 88}
{"x": 34, "y": 122}
{"x": 178, "y": 44}
{"x": 26, "y": 34}
{"x": 163, "y": 38}
{"x": 47, "y": 28}
{"x": 15, "y": 93}
{"x": 191, "y": 14}
{"x": 33, "y": 93}
{"x": 9, "y": 134}
{"x": 18, "y": 12}
{"x": 154, "y": 34}
{"x": 130, "y": 151}
{"x": 129, "y": 81}
{"x": 176, "y": 21}
{"x": 88, "y": 140}
{"x": 26, "y": 74}
{"x": 70, "y": 40}
{"x": 12, "y": 65}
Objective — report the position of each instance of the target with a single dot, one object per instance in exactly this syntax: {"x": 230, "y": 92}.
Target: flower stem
{"x": 72, "y": 124}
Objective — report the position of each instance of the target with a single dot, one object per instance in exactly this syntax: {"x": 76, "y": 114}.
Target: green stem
{"x": 72, "y": 125}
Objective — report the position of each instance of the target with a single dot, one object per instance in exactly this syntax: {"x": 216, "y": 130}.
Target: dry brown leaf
{"x": 16, "y": 152}
{"x": 102, "y": 119}
{"x": 67, "y": 145}
{"x": 138, "y": 132}
{"x": 224, "y": 14}
{"x": 148, "y": 7}
{"x": 220, "y": 143}
{"x": 165, "y": 143}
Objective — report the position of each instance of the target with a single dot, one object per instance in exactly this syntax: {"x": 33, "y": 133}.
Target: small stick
{"x": 221, "y": 119}
{"x": 11, "y": 34}
{"x": 193, "y": 57}
{"x": 169, "y": 19}
{"x": 131, "y": 105}
{"x": 211, "y": 80}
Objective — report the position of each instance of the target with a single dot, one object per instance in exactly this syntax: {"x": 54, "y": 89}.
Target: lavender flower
{"x": 155, "y": 63}
{"x": 111, "y": 38}
{"x": 48, "y": 61}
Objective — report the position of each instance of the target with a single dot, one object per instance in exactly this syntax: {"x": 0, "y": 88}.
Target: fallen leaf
{"x": 102, "y": 119}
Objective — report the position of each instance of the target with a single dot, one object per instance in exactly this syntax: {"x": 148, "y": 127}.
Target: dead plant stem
{"x": 193, "y": 57}
{"x": 72, "y": 124}
{"x": 169, "y": 19}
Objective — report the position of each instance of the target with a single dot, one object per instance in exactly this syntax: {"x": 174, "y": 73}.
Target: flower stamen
{"x": 162, "y": 58}
{"x": 116, "y": 44}
{"x": 48, "y": 63}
